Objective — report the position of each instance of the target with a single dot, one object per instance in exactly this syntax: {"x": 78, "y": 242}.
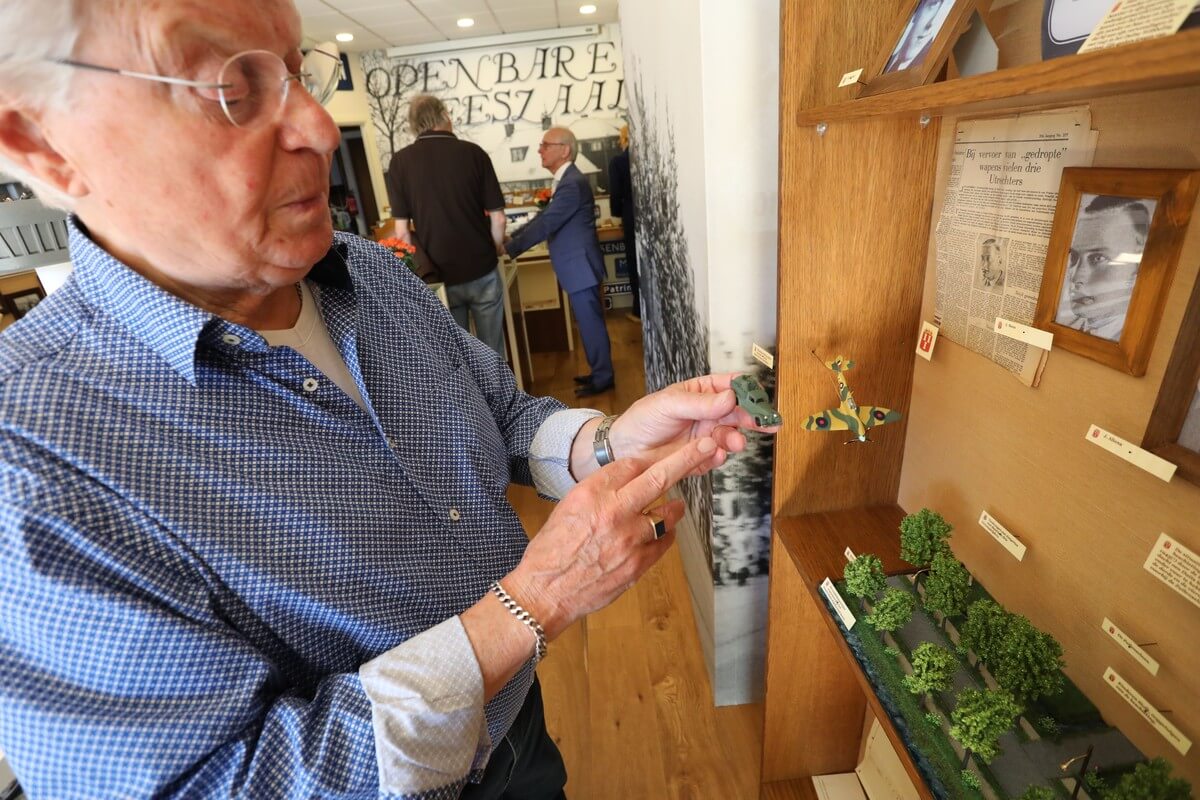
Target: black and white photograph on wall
{"x": 1102, "y": 268}
{"x": 923, "y": 27}
{"x": 992, "y": 256}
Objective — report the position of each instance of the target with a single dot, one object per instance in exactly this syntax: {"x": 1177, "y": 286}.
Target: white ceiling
{"x": 389, "y": 23}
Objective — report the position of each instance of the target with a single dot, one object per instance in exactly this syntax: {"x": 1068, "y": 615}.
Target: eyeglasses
{"x": 251, "y": 86}
{"x": 544, "y": 145}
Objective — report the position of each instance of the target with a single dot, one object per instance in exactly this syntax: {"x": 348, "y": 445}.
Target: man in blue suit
{"x": 568, "y": 226}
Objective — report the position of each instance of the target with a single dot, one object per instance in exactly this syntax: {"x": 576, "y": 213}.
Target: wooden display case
{"x": 861, "y": 182}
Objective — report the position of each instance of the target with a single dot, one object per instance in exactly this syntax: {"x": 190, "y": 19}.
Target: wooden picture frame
{"x": 1180, "y": 386}
{"x": 925, "y": 35}
{"x": 1117, "y": 235}
{"x": 19, "y": 303}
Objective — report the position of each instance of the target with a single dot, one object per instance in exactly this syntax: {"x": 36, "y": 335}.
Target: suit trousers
{"x": 526, "y": 764}
{"x": 585, "y": 305}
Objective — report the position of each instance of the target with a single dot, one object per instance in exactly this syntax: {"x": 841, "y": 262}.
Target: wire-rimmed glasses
{"x": 251, "y": 86}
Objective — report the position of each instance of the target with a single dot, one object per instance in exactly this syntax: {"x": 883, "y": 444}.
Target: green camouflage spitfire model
{"x": 753, "y": 398}
{"x": 849, "y": 416}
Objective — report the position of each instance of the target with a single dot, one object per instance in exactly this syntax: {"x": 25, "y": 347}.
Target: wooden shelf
{"x": 1163, "y": 63}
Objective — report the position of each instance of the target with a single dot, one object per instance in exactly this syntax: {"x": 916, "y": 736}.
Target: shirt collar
{"x": 437, "y": 135}
{"x": 168, "y": 325}
{"x": 562, "y": 170}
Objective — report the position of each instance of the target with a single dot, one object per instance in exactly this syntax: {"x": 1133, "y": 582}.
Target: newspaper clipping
{"x": 995, "y": 226}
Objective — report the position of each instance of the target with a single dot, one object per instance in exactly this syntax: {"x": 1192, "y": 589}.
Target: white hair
{"x": 568, "y": 138}
{"x": 33, "y": 35}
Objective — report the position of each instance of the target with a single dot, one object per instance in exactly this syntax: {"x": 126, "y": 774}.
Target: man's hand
{"x": 663, "y": 422}
{"x": 598, "y": 542}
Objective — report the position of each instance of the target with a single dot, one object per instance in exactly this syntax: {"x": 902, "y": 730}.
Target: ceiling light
{"x": 465, "y": 22}
{"x": 345, "y": 37}
{"x": 588, "y": 9}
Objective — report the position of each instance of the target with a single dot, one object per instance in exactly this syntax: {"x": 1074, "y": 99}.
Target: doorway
{"x": 351, "y": 193}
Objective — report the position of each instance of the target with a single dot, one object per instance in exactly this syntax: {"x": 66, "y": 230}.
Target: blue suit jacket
{"x": 568, "y": 226}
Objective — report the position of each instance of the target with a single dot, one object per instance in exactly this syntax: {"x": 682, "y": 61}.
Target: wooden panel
{"x": 814, "y": 706}
{"x": 1157, "y": 64}
{"x": 799, "y": 789}
{"x": 979, "y": 440}
{"x": 852, "y": 240}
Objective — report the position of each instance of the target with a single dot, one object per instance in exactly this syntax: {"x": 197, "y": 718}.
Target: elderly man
{"x": 568, "y": 226}
{"x": 254, "y": 538}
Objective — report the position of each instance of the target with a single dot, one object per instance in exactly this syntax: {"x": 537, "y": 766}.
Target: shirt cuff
{"x": 550, "y": 451}
{"x": 427, "y": 711}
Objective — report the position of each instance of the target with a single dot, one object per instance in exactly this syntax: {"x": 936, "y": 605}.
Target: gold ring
{"x": 658, "y": 526}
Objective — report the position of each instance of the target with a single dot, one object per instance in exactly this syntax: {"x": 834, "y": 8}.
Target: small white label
{"x": 850, "y": 77}
{"x": 839, "y": 605}
{"x": 1000, "y": 533}
{"x": 926, "y": 341}
{"x": 1148, "y": 712}
{"x": 849, "y": 554}
{"x": 1130, "y": 646}
{"x": 763, "y": 356}
{"x": 1176, "y": 566}
{"x": 1024, "y": 333}
{"x": 1158, "y": 467}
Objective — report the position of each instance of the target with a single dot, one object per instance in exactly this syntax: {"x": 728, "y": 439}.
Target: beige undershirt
{"x": 310, "y": 338}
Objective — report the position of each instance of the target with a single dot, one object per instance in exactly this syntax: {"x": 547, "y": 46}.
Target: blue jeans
{"x": 482, "y": 298}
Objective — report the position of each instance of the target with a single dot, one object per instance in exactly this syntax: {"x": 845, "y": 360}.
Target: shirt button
{"x": 454, "y": 515}
{"x": 232, "y": 340}
{"x": 311, "y": 384}
{"x": 391, "y": 442}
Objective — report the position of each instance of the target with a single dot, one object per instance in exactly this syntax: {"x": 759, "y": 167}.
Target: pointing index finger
{"x": 660, "y": 476}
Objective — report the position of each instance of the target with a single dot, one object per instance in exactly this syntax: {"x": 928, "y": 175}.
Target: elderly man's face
{"x": 1105, "y": 255}
{"x": 166, "y": 181}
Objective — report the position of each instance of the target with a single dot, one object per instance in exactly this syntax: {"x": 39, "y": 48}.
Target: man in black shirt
{"x": 447, "y": 188}
{"x": 620, "y": 202}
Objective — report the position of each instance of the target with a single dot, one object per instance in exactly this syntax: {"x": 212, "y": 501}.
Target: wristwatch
{"x": 600, "y": 445}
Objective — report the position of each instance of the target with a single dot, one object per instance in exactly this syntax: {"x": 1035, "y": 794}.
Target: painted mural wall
{"x": 705, "y": 174}
{"x": 503, "y": 96}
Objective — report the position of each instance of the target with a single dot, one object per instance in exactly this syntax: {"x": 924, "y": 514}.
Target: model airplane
{"x": 849, "y": 416}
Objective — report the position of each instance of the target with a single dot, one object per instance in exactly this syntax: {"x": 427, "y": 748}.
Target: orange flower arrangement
{"x": 541, "y": 198}
{"x": 402, "y": 250}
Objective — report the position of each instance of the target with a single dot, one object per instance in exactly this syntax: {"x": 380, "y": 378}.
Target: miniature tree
{"x": 922, "y": 535}
{"x": 1150, "y": 781}
{"x": 948, "y": 585}
{"x": 984, "y": 629}
{"x": 979, "y": 720}
{"x": 864, "y": 576}
{"x": 893, "y": 610}
{"x": 933, "y": 669}
{"x": 1037, "y": 793}
{"x": 1029, "y": 662}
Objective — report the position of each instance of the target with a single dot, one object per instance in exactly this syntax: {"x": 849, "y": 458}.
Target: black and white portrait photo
{"x": 1106, "y": 253}
{"x": 991, "y": 257}
{"x": 922, "y": 28}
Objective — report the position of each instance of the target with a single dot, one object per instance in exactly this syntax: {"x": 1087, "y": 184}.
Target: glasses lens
{"x": 253, "y": 87}
{"x": 320, "y": 74}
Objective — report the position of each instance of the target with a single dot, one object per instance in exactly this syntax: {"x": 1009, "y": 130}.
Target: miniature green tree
{"x": 979, "y": 720}
{"x": 1037, "y": 793}
{"x": 922, "y": 535}
{"x": 984, "y": 629}
{"x": 1029, "y": 662}
{"x": 948, "y": 585}
{"x": 933, "y": 669}
{"x": 864, "y": 576}
{"x": 893, "y": 610}
{"x": 1150, "y": 781}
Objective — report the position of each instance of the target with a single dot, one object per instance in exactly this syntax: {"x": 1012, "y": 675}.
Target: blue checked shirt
{"x": 220, "y": 576}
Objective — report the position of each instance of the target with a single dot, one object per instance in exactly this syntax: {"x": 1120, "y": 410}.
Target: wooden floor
{"x": 628, "y": 699}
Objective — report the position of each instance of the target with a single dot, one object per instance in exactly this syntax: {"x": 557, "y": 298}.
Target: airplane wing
{"x": 874, "y": 415}
{"x": 828, "y": 420}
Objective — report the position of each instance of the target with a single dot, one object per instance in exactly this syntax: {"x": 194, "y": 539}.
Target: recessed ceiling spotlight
{"x": 465, "y": 22}
{"x": 345, "y": 37}
{"x": 588, "y": 9}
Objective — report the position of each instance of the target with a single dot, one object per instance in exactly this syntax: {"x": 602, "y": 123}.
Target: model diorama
{"x": 752, "y": 397}
{"x": 849, "y": 416}
{"x": 976, "y": 691}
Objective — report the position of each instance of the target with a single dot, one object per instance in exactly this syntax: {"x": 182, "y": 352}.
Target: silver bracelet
{"x": 600, "y": 445}
{"x": 525, "y": 617}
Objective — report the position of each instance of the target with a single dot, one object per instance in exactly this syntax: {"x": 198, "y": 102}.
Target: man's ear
{"x": 23, "y": 143}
